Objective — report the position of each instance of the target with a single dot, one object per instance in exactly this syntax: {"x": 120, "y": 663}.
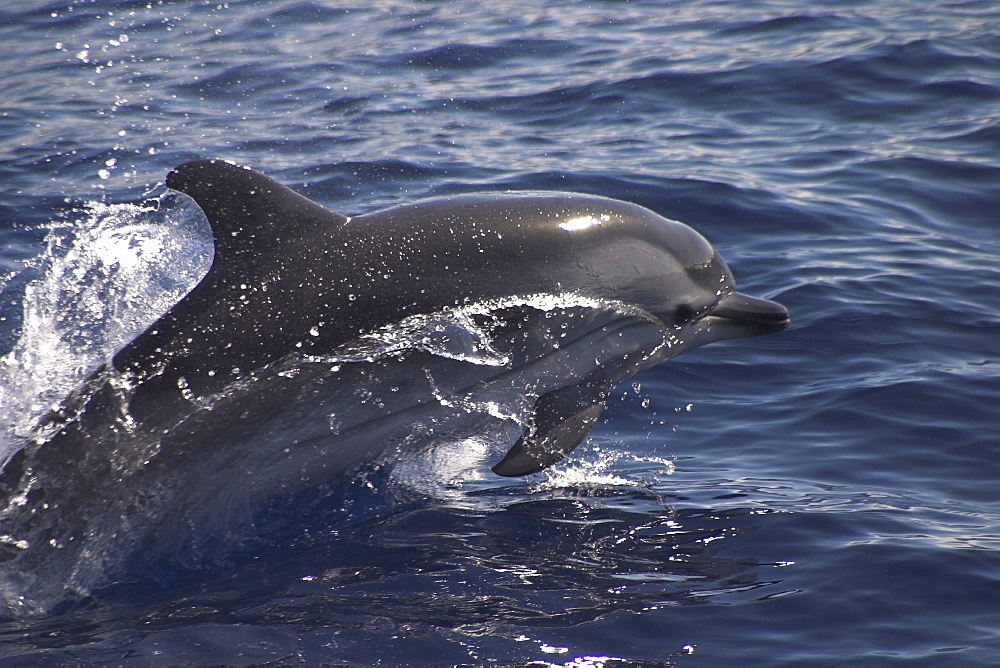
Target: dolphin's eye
{"x": 683, "y": 313}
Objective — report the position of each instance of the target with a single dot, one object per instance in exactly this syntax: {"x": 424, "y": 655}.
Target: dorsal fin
{"x": 248, "y": 211}
{"x": 258, "y": 226}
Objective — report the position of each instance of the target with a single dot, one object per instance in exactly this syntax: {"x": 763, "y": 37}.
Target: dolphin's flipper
{"x": 562, "y": 419}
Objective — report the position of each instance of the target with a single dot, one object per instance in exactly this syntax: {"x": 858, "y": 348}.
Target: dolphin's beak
{"x": 748, "y": 316}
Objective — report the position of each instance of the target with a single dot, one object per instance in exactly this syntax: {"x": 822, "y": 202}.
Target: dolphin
{"x": 292, "y": 276}
{"x": 384, "y": 320}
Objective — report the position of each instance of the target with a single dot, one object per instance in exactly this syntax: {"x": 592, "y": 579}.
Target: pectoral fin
{"x": 562, "y": 419}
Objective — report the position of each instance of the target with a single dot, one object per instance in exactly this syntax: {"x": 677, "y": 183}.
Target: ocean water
{"x": 825, "y": 495}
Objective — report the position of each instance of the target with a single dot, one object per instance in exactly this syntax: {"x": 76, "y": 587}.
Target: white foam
{"x": 604, "y": 467}
{"x": 101, "y": 280}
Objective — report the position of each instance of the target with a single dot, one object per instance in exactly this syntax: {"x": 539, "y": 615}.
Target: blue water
{"x": 828, "y": 494}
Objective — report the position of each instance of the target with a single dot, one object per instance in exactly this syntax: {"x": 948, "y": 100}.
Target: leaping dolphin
{"x": 571, "y": 294}
{"x": 292, "y": 276}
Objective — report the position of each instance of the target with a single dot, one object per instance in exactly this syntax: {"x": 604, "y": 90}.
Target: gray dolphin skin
{"x": 292, "y": 276}
{"x": 263, "y": 382}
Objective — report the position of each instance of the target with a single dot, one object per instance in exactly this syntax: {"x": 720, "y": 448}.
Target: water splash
{"x": 605, "y": 467}
{"x": 454, "y": 333}
{"x": 450, "y": 333}
{"x": 101, "y": 280}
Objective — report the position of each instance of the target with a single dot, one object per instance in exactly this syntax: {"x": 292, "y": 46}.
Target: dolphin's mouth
{"x": 762, "y": 314}
{"x": 739, "y": 315}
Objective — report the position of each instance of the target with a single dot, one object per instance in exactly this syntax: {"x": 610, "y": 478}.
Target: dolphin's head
{"x": 683, "y": 281}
